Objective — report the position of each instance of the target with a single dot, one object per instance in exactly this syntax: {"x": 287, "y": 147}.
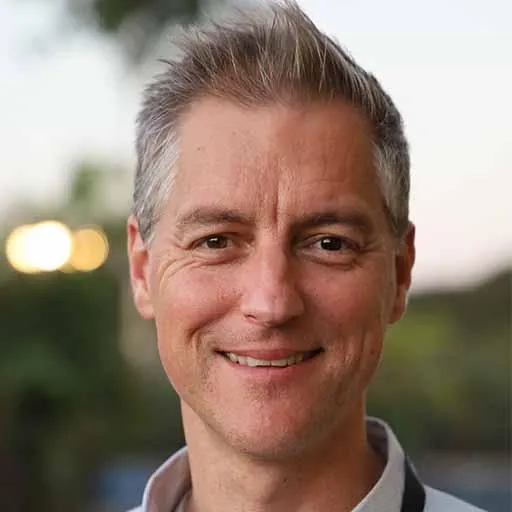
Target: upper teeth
{"x": 251, "y": 361}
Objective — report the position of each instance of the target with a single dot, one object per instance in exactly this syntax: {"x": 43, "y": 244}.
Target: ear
{"x": 139, "y": 273}
{"x": 404, "y": 261}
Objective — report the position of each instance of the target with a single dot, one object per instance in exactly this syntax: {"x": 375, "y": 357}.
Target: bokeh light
{"x": 16, "y": 249}
{"x": 42, "y": 247}
{"x": 50, "y": 245}
{"x": 90, "y": 249}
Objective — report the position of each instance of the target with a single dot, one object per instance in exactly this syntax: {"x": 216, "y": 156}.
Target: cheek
{"x": 353, "y": 309}
{"x": 188, "y": 300}
{"x": 353, "y": 298}
{"x": 185, "y": 303}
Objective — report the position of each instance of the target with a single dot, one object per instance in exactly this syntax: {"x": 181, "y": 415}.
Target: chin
{"x": 277, "y": 437}
{"x": 271, "y": 446}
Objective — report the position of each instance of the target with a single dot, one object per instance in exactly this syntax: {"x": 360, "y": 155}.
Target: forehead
{"x": 284, "y": 155}
{"x": 334, "y": 130}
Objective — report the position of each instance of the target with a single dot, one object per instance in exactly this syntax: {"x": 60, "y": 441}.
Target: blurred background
{"x": 86, "y": 413}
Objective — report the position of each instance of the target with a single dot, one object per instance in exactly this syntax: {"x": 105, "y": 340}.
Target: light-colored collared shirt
{"x": 169, "y": 487}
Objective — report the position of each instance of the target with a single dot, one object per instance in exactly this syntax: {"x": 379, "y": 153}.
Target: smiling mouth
{"x": 253, "y": 362}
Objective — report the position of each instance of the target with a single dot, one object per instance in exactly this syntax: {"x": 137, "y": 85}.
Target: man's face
{"x": 272, "y": 275}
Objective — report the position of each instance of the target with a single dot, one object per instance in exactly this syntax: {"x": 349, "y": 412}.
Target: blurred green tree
{"x": 136, "y": 24}
{"x": 444, "y": 381}
{"x": 69, "y": 400}
{"x": 63, "y": 381}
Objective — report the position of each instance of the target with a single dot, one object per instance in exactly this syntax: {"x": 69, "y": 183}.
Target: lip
{"x": 267, "y": 354}
{"x": 267, "y": 374}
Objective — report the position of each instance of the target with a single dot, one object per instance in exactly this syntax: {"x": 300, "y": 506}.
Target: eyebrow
{"x": 355, "y": 219}
{"x": 208, "y": 216}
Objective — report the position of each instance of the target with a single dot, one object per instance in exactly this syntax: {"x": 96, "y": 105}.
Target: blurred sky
{"x": 64, "y": 94}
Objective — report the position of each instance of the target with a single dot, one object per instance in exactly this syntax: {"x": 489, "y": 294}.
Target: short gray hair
{"x": 273, "y": 53}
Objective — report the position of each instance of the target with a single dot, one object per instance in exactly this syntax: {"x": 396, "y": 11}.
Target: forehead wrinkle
{"x": 274, "y": 162}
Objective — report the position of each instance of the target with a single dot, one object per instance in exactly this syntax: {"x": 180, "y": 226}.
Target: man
{"x": 270, "y": 242}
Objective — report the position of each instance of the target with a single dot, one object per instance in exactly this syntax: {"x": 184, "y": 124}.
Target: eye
{"x": 334, "y": 243}
{"x": 331, "y": 243}
{"x": 332, "y": 249}
{"x": 215, "y": 242}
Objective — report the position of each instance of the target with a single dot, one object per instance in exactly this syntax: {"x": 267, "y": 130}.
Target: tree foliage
{"x": 136, "y": 24}
{"x": 111, "y": 15}
{"x": 444, "y": 382}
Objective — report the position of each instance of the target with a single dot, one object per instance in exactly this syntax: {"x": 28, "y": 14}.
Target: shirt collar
{"x": 387, "y": 492}
{"x": 171, "y": 482}
{"x": 168, "y": 485}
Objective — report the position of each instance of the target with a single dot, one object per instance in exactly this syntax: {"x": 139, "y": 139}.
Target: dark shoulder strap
{"x": 413, "y": 499}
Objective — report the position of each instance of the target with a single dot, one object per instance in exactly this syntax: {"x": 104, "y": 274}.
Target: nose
{"x": 270, "y": 295}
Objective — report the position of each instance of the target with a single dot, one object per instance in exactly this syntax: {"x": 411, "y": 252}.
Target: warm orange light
{"x": 16, "y": 250}
{"x": 90, "y": 249}
{"x": 41, "y": 247}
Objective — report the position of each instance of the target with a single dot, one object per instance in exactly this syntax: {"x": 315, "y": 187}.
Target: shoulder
{"x": 437, "y": 501}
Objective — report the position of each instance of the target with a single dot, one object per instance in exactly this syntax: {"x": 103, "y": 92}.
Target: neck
{"x": 335, "y": 476}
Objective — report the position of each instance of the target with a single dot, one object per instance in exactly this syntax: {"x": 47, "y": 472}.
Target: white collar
{"x": 387, "y": 492}
{"x": 167, "y": 486}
